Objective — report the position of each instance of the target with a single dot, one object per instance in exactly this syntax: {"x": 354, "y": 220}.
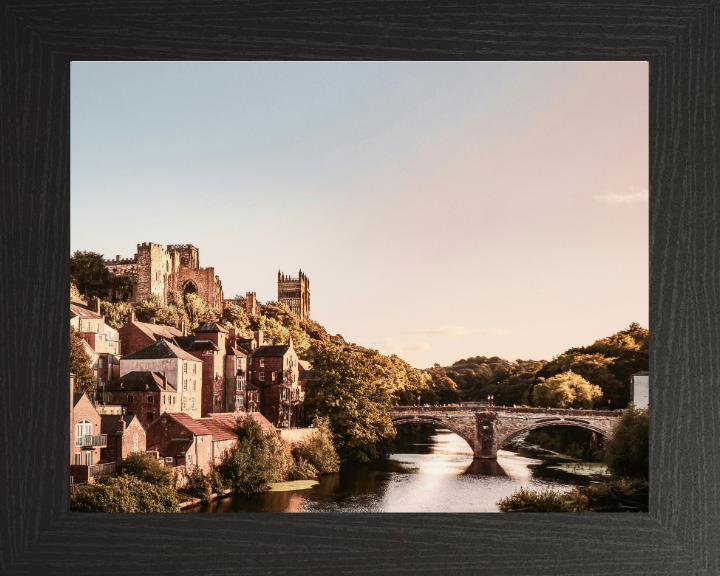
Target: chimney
{"x": 231, "y": 337}
{"x": 121, "y": 425}
{"x": 117, "y": 258}
{"x": 95, "y": 305}
{"x": 130, "y": 316}
{"x": 152, "y": 320}
{"x": 164, "y": 377}
{"x": 183, "y": 327}
{"x": 258, "y": 337}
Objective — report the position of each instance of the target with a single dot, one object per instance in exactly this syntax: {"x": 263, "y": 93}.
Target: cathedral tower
{"x": 295, "y": 292}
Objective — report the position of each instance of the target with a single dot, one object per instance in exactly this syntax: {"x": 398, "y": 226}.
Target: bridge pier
{"x": 486, "y": 446}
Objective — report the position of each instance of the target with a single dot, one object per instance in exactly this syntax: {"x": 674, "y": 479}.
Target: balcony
{"x": 102, "y": 469}
{"x": 99, "y": 441}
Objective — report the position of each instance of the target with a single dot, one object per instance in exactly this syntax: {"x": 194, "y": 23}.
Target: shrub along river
{"x": 430, "y": 471}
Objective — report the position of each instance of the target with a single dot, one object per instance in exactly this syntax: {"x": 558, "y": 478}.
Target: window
{"x": 135, "y": 443}
{"x": 97, "y": 327}
{"x": 151, "y": 415}
{"x": 163, "y": 399}
{"x": 184, "y": 406}
{"x": 123, "y": 410}
{"x": 189, "y": 459}
{"x": 222, "y": 454}
{"x": 184, "y": 367}
{"x": 241, "y": 363}
{"x": 99, "y": 337}
{"x": 194, "y": 368}
{"x": 193, "y": 402}
{"x": 273, "y": 376}
{"x": 194, "y": 385}
{"x": 261, "y": 376}
{"x": 151, "y": 399}
{"x": 131, "y": 398}
{"x": 208, "y": 453}
{"x": 88, "y": 458}
{"x": 110, "y": 344}
{"x": 100, "y": 363}
{"x": 82, "y": 428}
{"x": 200, "y": 439}
{"x": 240, "y": 400}
{"x": 185, "y": 384}
{"x": 168, "y": 460}
{"x": 87, "y": 326}
{"x": 78, "y": 459}
{"x": 262, "y": 363}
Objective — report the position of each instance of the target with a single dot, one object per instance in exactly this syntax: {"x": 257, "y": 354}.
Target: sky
{"x": 441, "y": 210}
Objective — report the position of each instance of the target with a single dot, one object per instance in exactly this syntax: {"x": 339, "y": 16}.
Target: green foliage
{"x": 88, "y": 273}
{"x": 544, "y": 500}
{"x": 354, "y": 387}
{"x": 198, "y": 311}
{"x": 446, "y": 391}
{"x": 570, "y": 441}
{"x": 115, "y": 314}
{"x": 123, "y": 494}
{"x": 565, "y": 390}
{"x": 81, "y": 364}
{"x": 318, "y": 450}
{"x": 302, "y": 470}
{"x": 146, "y": 468}
{"x": 197, "y": 484}
{"x": 627, "y": 448}
{"x": 235, "y": 316}
{"x": 217, "y": 482}
{"x": 149, "y": 308}
{"x": 282, "y": 462}
{"x": 250, "y": 466}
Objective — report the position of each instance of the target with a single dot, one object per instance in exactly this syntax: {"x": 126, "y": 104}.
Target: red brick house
{"x": 125, "y": 435}
{"x": 275, "y": 372}
{"x": 224, "y": 367}
{"x": 143, "y": 394}
{"x": 135, "y": 335}
{"x": 183, "y": 372}
{"x": 86, "y": 440}
{"x": 183, "y": 438}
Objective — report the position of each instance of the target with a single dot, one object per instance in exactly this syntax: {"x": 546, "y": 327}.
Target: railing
{"x": 99, "y": 441}
{"x": 103, "y": 469}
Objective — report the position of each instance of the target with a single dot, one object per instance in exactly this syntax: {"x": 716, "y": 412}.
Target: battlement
{"x": 181, "y": 247}
{"x": 119, "y": 261}
{"x": 148, "y": 245}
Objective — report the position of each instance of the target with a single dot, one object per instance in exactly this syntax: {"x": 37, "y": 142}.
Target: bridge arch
{"x": 577, "y": 423}
{"x": 437, "y": 423}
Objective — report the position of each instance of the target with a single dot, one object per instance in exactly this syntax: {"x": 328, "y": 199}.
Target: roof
{"x": 159, "y": 349}
{"x": 643, "y": 373}
{"x": 304, "y": 364}
{"x": 81, "y": 309}
{"x": 252, "y": 387}
{"x": 77, "y": 396}
{"x": 184, "y": 341}
{"x": 176, "y": 448}
{"x": 231, "y": 418}
{"x": 203, "y": 345}
{"x": 210, "y": 327}
{"x": 139, "y": 381}
{"x": 108, "y": 423}
{"x": 155, "y": 330}
{"x": 219, "y": 428}
{"x": 232, "y": 351}
{"x": 269, "y": 351}
{"x": 195, "y": 426}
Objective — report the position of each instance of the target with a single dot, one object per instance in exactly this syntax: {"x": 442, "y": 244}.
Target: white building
{"x": 639, "y": 393}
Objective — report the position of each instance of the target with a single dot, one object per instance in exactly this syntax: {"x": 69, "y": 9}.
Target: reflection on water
{"x": 429, "y": 472}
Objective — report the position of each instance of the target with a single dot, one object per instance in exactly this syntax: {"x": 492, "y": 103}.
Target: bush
{"x": 302, "y": 470}
{"x": 197, "y": 485}
{"x": 544, "y": 500}
{"x": 123, "y": 494}
{"x": 250, "y": 465}
{"x": 318, "y": 451}
{"x": 146, "y": 468}
{"x": 628, "y": 445}
{"x": 281, "y": 458}
{"x": 217, "y": 482}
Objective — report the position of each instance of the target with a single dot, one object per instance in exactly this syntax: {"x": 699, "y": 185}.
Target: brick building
{"x": 103, "y": 341}
{"x": 125, "y": 435}
{"x": 135, "y": 335}
{"x": 154, "y": 270}
{"x": 86, "y": 439}
{"x": 295, "y": 292}
{"x": 224, "y": 367}
{"x": 184, "y": 373}
{"x": 274, "y": 370}
{"x": 185, "y": 439}
{"x": 143, "y": 394}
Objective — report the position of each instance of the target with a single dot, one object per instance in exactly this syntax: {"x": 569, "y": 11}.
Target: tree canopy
{"x": 627, "y": 449}
{"x": 81, "y": 364}
{"x": 564, "y": 391}
{"x": 88, "y": 273}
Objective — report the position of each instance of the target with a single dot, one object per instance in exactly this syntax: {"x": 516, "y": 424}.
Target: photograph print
{"x": 475, "y": 239}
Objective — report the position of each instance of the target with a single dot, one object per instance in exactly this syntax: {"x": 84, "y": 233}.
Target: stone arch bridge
{"x": 486, "y": 429}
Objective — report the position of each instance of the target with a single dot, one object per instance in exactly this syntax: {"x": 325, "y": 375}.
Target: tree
{"x": 250, "y": 466}
{"x": 198, "y": 311}
{"x": 75, "y": 295}
{"x": 81, "y": 364}
{"x": 627, "y": 448}
{"x": 446, "y": 391}
{"x": 354, "y": 387}
{"x": 123, "y": 494}
{"x": 149, "y": 308}
{"x": 318, "y": 450}
{"x": 235, "y": 316}
{"x": 88, "y": 273}
{"x": 115, "y": 314}
{"x": 565, "y": 390}
{"x": 146, "y": 468}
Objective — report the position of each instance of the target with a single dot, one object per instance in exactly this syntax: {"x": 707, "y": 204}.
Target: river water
{"x": 429, "y": 472}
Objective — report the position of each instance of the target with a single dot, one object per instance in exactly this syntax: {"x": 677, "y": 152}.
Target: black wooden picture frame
{"x": 680, "y": 535}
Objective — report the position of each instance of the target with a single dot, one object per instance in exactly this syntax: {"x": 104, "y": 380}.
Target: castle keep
{"x": 295, "y": 292}
{"x": 154, "y": 270}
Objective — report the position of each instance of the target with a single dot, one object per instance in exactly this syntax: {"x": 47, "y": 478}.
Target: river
{"x": 430, "y": 471}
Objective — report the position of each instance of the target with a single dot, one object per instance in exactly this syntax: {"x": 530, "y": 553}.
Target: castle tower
{"x": 153, "y": 269}
{"x": 295, "y": 292}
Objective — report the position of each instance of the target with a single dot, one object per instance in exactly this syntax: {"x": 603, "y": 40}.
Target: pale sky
{"x": 440, "y": 210}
